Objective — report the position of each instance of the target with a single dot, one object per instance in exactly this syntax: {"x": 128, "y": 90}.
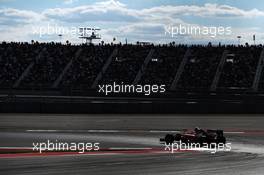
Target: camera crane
{"x": 89, "y": 34}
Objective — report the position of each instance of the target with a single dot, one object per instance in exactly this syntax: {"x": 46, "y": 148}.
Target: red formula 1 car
{"x": 196, "y": 136}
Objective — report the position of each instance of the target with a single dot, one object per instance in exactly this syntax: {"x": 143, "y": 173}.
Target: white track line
{"x": 120, "y": 131}
{"x": 53, "y": 130}
{"x": 101, "y": 131}
{"x": 160, "y": 131}
{"x": 124, "y": 148}
{"x": 16, "y": 147}
{"x": 238, "y": 132}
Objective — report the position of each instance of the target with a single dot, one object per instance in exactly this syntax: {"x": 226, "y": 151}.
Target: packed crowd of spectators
{"x": 86, "y": 66}
{"x": 48, "y": 65}
{"x": 163, "y": 65}
{"x": 126, "y": 64}
{"x": 14, "y": 59}
{"x": 240, "y": 66}
{"x": 200, "y": 67}
{"x": 261, "y": 82}
{"x": 48, "y": 60}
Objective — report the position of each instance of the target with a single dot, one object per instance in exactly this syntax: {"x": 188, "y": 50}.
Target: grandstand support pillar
{"x": 180, "y": 69}
{"x": 104, "y": 68}
{"x": 218, "y": 71}
{"x": 143, "y": 67}
{"x": 258, "y": 72}
{"x": 66, "y": 68}
{"x": 24, "y": 74}
{"x": 27, "y": 70}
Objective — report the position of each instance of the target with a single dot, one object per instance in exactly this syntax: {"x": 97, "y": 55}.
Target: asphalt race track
{"x": 130, "y": 144}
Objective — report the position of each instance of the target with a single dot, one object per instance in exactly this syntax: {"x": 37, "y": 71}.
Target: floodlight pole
{"x": 60, "y": 36}
{"x": 239, "y": 37}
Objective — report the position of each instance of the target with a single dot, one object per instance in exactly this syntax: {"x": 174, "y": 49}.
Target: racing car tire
{"x": 169, "y": 139}
{"x": 221, "y": 140}
{"x": 177, "y": 137}
{"x": 201, "y": 141}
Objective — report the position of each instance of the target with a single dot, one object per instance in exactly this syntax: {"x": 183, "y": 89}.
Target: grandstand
{"x": 54, "y": 77}
{"x": 179, "y": 67}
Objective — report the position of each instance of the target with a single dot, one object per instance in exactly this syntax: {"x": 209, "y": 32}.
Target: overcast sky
{"x": 136, "y": 20}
